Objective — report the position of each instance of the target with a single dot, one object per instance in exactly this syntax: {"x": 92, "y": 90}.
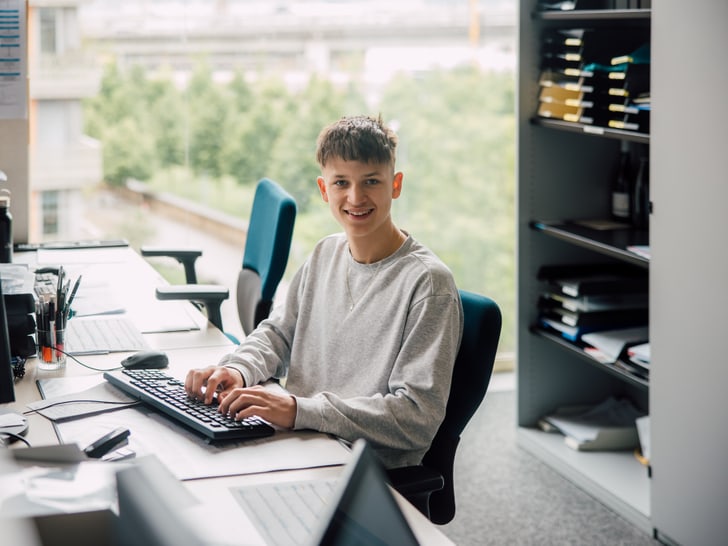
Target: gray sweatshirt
{"x": 367, "y": 349}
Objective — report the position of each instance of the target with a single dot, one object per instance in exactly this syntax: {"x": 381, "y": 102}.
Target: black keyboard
{"x": 167, "y": 394}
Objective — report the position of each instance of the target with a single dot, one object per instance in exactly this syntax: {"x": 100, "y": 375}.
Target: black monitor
{"x": 7, "y": 389}
{"x": 18, "y": 424}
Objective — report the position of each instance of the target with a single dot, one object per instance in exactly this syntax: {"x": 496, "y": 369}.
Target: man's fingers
{"x": 246, "y": 402}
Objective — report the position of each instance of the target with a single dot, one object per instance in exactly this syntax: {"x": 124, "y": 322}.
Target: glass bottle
{"x": 621, "y": 191}
{"x": 641, "y": 195}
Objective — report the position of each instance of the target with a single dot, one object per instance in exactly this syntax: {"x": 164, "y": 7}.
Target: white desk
{"x": 133, "y": 280}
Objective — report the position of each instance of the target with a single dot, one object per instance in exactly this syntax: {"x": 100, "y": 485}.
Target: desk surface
{"x": 133, "y": 282}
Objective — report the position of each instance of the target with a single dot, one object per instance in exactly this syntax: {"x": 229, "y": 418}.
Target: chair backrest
{"x": 267, "y": 246}
{"x": 471, "y": 375}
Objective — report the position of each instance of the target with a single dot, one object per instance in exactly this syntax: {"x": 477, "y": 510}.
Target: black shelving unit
{"x": 611, "y": 242}
{"x": 594, "y": 15}
{"x": 592, "y": 130}
{"x": 565, "y": 171}
{"x": 578, "y": 349}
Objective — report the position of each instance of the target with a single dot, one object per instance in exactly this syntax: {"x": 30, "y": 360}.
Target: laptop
{"x": 360, "y": 508}
{"x": 364, "y": 510}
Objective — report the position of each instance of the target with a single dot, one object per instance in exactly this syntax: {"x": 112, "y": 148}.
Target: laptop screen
{"x": 365, "y": 511}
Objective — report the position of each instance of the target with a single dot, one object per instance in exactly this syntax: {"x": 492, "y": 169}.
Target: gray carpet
{"x": 507, "y": 496}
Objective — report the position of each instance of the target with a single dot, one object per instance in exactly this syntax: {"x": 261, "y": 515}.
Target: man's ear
{"x": 397, "y": 185}
{"x": 322, "y": 189}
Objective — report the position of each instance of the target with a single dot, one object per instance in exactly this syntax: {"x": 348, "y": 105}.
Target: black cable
{"x": 86, "y": 365}
{"x": 82, "y": 401}
{"x": 15, "y": 437}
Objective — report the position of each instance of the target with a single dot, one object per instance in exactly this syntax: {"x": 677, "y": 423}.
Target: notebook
{"x": 361, "y": 508}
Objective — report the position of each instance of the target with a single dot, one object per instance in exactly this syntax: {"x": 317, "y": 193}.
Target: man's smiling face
{"x": 360, "y": 195}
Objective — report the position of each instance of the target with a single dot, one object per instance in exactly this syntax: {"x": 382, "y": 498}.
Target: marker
{"x": 52, "y": 315}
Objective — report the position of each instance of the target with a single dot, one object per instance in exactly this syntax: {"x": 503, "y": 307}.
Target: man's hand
{"x": 203, "y": 383}
{"x": 274, "y": 407}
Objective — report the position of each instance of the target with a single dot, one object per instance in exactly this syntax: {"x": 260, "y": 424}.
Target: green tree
{"x": 208, "y": 108}
{"x": 242, "y": 94}
{"x": 128, "y": 152}
{"x": 246, "y": 155}
{"x": 120, "y": 117}
{"x": 166, "y": 117}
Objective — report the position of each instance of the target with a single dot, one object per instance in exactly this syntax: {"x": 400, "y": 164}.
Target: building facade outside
{"x": 63, "y": 161}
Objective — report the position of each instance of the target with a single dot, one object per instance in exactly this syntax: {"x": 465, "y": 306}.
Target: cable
{"x": 15, "y": 437}
{"x": 72, "y": 357}
{"x": 82, "y": 401}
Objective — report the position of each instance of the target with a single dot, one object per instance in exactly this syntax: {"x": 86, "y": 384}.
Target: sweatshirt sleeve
{"x": 266, "y": 352}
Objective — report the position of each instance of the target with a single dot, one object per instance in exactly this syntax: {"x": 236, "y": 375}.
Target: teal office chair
{"x": 429, "y": 486}
{"x": 267, "y": 246}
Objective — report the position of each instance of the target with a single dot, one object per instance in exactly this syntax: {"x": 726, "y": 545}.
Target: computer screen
{"x": 151, "y": 505}
{"x": 7, "y": 389}
{"x": 365, "y": 511}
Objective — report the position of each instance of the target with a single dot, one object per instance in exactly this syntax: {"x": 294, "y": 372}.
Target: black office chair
{"x": 267, "y": 246}
{"x": 429, "y": 486}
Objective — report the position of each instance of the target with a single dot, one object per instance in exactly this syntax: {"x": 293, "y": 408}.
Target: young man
{"x": 371, "y": 325}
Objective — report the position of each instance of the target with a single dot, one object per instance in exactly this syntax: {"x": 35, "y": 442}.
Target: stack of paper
{"x": 608, "y": 426}
{"x": 608, "y": 345}
{"x": 639, "y": 359}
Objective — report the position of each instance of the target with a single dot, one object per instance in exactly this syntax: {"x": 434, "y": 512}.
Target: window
{"x": 200, "y": 99}
{"x": 50, "y": 213}
{"x": 47, "y": 18}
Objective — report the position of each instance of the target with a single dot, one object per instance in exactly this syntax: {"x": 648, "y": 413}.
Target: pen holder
{"x": 50, "y": 349}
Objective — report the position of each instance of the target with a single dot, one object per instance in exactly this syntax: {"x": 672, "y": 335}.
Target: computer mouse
{"x": 145, "y": 360}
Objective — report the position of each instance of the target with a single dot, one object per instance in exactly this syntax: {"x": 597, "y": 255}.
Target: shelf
{"x": 616, "y": 478}
{"x": 564, "y": 174}
{"x": 612, "y": 243}
{"x": 595, "y": 15}
{"x": 592, "y": 130}
{"x": 577, "y": 349}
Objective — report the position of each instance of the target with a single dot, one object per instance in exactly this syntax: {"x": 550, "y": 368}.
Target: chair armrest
{"x": 415, "y": 479}
{"x": 185, "y": 256}
{"x": 209, "y": 295}
{"x": 416, "y": 484}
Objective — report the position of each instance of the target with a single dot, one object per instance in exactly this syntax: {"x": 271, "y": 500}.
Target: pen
{"x": 64, "y": 305}
{"x": 73, "y": 295}
{"x": 59, "y": 286}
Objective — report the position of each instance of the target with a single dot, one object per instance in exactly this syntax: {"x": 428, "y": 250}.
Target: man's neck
{"x": 367, "y": 252}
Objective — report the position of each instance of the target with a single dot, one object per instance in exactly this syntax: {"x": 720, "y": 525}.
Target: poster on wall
{"x": 13, "y": 61}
